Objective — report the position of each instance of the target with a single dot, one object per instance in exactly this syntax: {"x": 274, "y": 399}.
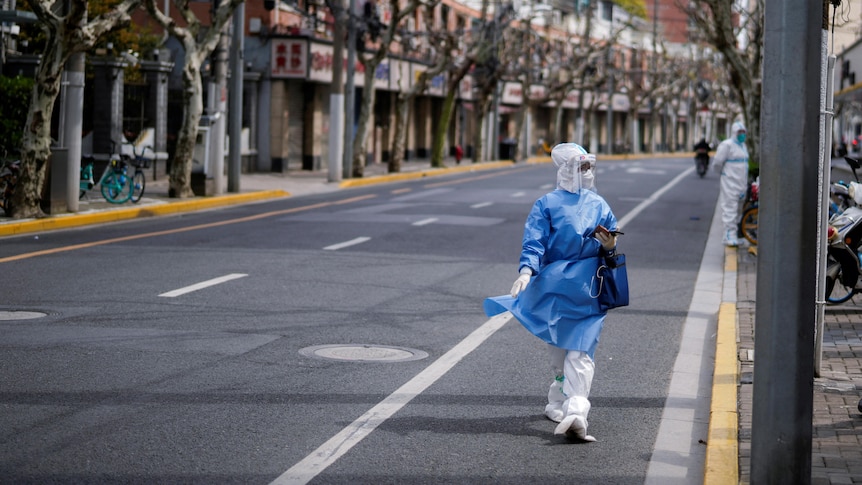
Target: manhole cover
{"x": 20, "y": 315}
{"x": 363, "y": 353}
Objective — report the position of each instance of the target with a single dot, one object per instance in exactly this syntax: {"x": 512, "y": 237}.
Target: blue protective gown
{"x": 559, "y": 304}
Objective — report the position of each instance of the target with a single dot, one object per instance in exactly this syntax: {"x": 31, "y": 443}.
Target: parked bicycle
{"x": 9, "y": 169}
{"x": 117, "y": 185}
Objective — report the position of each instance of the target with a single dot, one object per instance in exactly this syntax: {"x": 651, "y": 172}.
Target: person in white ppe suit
{"x": 555, "y": 294}
{"x": 731, "y": 159}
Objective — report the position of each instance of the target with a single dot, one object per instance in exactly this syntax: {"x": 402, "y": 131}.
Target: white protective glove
{"x": 609, "y": 241}
{"x": 522, "y": 281}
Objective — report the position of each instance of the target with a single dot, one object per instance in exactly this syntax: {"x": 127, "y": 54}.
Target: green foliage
{"x": 17, "y": 92}
{"x": 636, "y": 8}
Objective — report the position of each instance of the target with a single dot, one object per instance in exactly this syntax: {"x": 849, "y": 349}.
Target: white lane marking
{"x": 352, "y": 242}
{"x": 518, "y": 194}
{"x": 481, "y": 204}
{"x": 203, "y": 284}
{"x": 316, "y": 462}
{"x": 644, "y": 170}
{"x": 319, "y": 459}
{"x": 623, "y": 221}
{"x": 426, "y": 221}
{"x": 547, "y": 186}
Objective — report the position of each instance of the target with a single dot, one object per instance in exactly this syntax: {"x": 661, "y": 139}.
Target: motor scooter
{"x": 701, "y": 160}
{"x": 844, "y": 234}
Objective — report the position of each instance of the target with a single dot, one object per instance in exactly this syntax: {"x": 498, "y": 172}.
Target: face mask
{"x": 741, "y": 137}
{"x": 587, "y": 179}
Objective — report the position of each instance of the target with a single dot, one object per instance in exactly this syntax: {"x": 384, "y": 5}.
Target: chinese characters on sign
{"x": 289, "y": 58}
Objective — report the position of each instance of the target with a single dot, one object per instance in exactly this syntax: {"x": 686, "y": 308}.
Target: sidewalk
{"x": 94, "y": 209}
{"x": 837, "y": 434}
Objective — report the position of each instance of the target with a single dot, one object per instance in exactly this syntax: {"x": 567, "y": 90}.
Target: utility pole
{"x": 350, "y": 95}
{"x": 235, "y": 99}
{"x": 217, "y": 106}
{"x": 786, "y": 262}
{"x": 336, "y": 98}
{"x": 610, "y": 103}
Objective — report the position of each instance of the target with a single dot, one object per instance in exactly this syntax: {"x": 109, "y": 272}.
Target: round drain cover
{"x": 363, "y": 353}
{"x": 20, "y": 315}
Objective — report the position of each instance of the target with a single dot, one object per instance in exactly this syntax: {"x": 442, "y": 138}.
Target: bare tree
{"x": 370, "y": 61}
{"x": 404, "y": 97}
{"x": 66, "y": 33}
{"x": 738, "y": 36}
{"x": 474, "y": 48}
{"x": 198, "y": 41}
{"x": 490, "y": 63}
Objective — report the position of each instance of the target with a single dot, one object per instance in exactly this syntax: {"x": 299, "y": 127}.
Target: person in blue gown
{"x": 555, "y": 295}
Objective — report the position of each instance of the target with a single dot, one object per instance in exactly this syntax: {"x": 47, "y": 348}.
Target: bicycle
{"x": 115, "y": 183}
{"x": 8, "y": 179}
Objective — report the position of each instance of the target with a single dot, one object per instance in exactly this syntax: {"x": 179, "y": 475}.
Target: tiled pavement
{"x": 837, "y": 425}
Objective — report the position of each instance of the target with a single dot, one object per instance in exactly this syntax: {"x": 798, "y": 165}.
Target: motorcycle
{"x": 844, "y": 235}
{"x": 750, "y": 211}
{"x": 701, "y": 161}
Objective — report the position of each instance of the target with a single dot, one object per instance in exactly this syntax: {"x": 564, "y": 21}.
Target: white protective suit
{"x": 731, "y": 159}
{"x": 553, "y": 298}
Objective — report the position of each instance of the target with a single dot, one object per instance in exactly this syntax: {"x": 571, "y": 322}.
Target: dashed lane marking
{"x": 345, "y": 244}
{"x": 425, "y": 222}
{"x": 202, "y": 285}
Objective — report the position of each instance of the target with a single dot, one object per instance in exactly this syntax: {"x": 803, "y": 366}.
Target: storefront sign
{"x": 382, "y": 75}
{"x": 289, "y": 58}
{"x": 512, "y": 94}
{"x": 320, "y": 68}
{"x": 436, "y": 85}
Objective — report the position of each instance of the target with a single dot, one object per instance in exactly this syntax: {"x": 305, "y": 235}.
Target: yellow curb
{"x": 434, "y": 172}
{"x": 66, "y": 221}
{"x": 722, "y": 450}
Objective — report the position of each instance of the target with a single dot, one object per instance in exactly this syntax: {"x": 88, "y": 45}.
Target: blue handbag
{"x": 613, "y": 281}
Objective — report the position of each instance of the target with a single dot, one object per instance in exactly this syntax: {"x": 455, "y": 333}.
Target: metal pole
{"x": 823, "y": 208}
{"x": 218, "y": 106}
{"x": 73, "y": 126}
{"x": 336, "y": 100}
{"x": 350, "y": 92}
{"x": 610, "y": 109}
{"x": 235, "y": 97}
{"x": 786, "y": 261}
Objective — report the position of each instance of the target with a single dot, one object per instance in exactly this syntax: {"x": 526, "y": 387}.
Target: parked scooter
{"x": 843, "y": 268}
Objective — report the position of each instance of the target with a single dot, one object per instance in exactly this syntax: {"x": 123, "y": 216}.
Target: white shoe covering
{"x": 568, "y": 393}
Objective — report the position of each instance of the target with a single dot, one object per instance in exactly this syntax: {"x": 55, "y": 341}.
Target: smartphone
{"x": 602, "y": 229}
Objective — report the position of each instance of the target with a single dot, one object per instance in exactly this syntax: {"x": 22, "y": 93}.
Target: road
{"x": 204, "y": 348}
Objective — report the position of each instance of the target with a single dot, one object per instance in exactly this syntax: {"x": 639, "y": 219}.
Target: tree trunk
{"x": 181, "y": 166}
{"x": 402, "y": 112}
{"x": 368, "y": 92}
{"x": 36, "y": 141}
{"x": 478, "y": 135}
{"x": 442, "y": 128}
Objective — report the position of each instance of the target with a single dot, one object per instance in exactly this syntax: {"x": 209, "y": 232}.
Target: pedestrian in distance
{"x": 459, "y": 154}
{"x": 731, "y": 160}
{"x": 554, "y": 296}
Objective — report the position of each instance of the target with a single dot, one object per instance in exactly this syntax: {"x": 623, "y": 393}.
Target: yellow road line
{"x": 66, "y": 221}
{"x": 133, "y": 237}
{"x": 434, "y": 172}
{"x": 722, "y": 451}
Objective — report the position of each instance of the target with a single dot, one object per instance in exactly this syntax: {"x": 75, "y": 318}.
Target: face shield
{"x": 576, "y": 168}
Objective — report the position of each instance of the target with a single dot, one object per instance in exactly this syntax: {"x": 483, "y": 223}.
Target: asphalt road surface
{"x": 334, "y": 338}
